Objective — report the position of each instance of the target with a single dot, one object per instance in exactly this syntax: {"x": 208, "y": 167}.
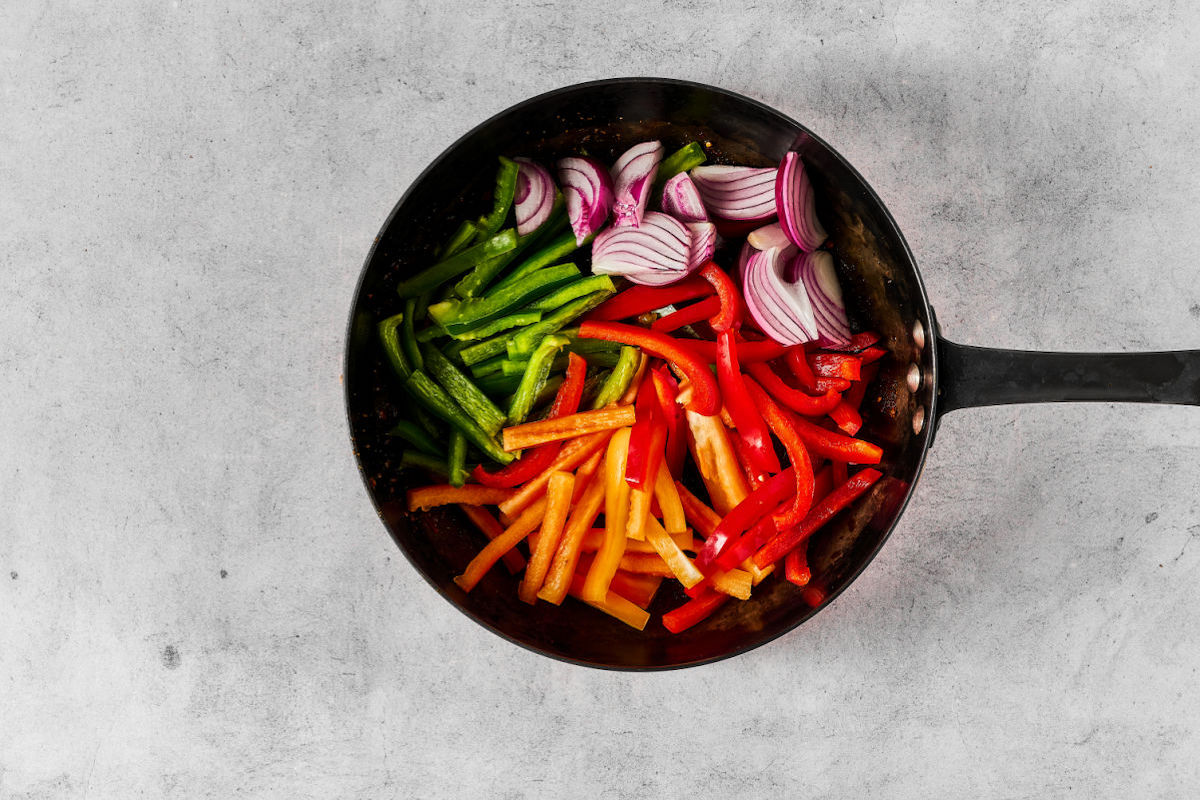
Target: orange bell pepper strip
{"x": 566, "y": 556}
{"x": 646, "y": 564}
{"x": 637, "y": 589}
{"x": 524, "y": 525}
{"x": 529, "y": 434}
{"x": 705, "y": 399}
{"x": 558, "y": 503}
{"x": 572, "y": 455}
{"x": 713, "y": 453}
{"x": 612, "y": 604}
{"x": 693, "y": 611}
{"x": 616, "y": 514}
{"x": 702, "y": 518}
{"x": 817, "y": 516}
{"x": 427, "y": 497}
{"x": 490, "y": 528}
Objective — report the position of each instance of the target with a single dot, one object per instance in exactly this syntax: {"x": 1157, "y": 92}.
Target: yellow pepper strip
{"x": 558, "y": 503}
{"x": 614, "y": 605}
{"x": 616, "y": 515}
{"x": 668, "y": 501}
{"x": 735, "y": 583}
{"x": 681, "y": 566}
{"x": 717, "y": 461}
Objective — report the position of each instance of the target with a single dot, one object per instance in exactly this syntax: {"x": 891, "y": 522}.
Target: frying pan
{"x": 923, "y": 377}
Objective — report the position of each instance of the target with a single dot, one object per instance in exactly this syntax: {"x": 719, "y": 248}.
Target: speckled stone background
{"x": 196, "y": 599}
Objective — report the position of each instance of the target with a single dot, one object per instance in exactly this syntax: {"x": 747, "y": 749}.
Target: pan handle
{"x": 983, "y": 376}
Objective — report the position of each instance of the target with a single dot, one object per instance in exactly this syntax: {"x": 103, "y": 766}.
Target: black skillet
{"x": 924, "y": 376}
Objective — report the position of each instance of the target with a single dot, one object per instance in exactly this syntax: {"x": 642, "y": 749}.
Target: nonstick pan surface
{"x": 923, "y": 377}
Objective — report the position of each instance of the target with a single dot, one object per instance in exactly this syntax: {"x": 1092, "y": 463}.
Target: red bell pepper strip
{"x": 847, "y": 418}
{"x": 705, "y": 399}
{"x": 744, "y": 515}
{"x": 835, "y": 446}
{"x": 794, "y": 399}
{"x": 742, "y": 450}
{"x": 646, "y": 439}
{"x": 640, "y": 299}
{"x": 836, "y": 365}
{"x": 735, "y": 553}
{"x": 688, "y": 315}
{"x": 813, "y": 596}
{"x": 872, "y": 354}
{"x": 746, "y": 417}
{"x": 822, "y": 484}
{"x": 797, "y": 362}
{"x": 729, "y": 318}
{"x": 538, "y": 459}
{"x": 857, "y": 343}
{"x": 748, "y": 352}
{"x": 675, "y": 450}
{"x": 782, "y": 425}
{"x": 795, "y": 567}
{"x": 817, "y": 516}
{"x": 839, "y": 472}
{"x": 695, "y": 610}
{"x": 832, "y": 384}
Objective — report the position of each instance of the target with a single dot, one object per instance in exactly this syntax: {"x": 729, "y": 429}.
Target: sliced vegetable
{"x": 484, "y": 330}
{"x": 534, "y": 196}
{"x": 472, "y": 400}
{"x": 796, "y": 204}
{"x": 685, "y": 158}
{"x": 530, "y": 434}
{"x": 415, "y": 435}
{"x": 427, "y": 497}
{"x": 795, "y": 567}
{"x": 730, "y": 316}
{"x": 456, "y": 316}
{"x": 423, "y": 388}
{"x": 633, "y": 176}
{"x": 768, "y": 236}
{"x": 835, "y": 446}
{"x": 746, "y": 418}
{"x": 616, "y": 510}
{"x": 476, "y": 281}
{"x": 737, "y": 193}
{"x": 784, "y": 428}
{"x": 462, "y": 237}
{"x": 457, "y": 264}
{"x": 780, "y": 308}
{"x": 613, "y": 604}
{"x": 618, "y": 380}
{"x": 645, "y": 441}
{"x": 524, "y": 340}
{"x": 566, "y": 556}
{"x": 748, "y": 352}
{"x": 705, "y": 398}
{"x": 640, "y": 299}
{"x": 693, "y": 611}
{"x": 681, "y": 199}
{"x": 821, "y": 512}
{"x": 524, "y": 525}
{"x": 490, "y": 528}
{"x": 815, "y": 273}
{"x": 794, "y": 399}
{"x": 654, "y": 253}
{"x": 456, "y": 461}
{"x": 688, "y": 315}
{"x": 389, "y": 337}
{"x": 714, "y": 456}
{"x": 558, "y": 504}
{"x": 588, "y": 192}
{"x": 534, "y": 377}
{"x": 675, "y": 449}
{"x": 435, "y": 465}
{"x": 572, "y": 291}
{"x": 744, "y": 516}
{"x": 703, "y": 244}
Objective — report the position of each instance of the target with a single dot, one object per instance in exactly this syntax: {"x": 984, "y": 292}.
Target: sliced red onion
{"x": 769, "y": 236}
{"x": 748, "y": 250}
{"x": 653, "y": 254}
{"x": 782, "y": 309}
{"x": 587, "y": 190}
{"x": 797, "y": 207}
{"x": 534, "y": 199}
{"x": 704, "y": 243}
{"x": 736, "y": 193}
{"x": 633, "y": 176}
{"x": 815, "y": 272}
{"x": 682, "y": 201}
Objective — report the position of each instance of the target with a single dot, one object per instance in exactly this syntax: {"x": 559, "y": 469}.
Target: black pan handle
{"x": 983, "y": 376}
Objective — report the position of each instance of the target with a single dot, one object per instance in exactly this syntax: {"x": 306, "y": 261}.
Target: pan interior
{"x": 882, "y": 289}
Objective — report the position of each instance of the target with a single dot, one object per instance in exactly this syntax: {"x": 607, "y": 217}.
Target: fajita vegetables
{"x": 577, "y": 357}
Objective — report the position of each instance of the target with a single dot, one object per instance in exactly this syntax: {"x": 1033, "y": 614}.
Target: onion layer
{"x": 768, "y": 236}
{"x": 534, "y": 199}
{"x": 797, "y": 207}
{"x": 737, "y": 193}
{"x": 815, "y": 272}
{"x": 681, "y": 199}
{"x": 655, "y": 253}
{"x": 704, "y": 243}
{"x": 781, "y": 309}
{"x": 633, "y": 176}
{"x": 587, "y": 190}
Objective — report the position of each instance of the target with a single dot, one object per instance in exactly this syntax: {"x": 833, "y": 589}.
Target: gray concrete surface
{"x": 197, "y": 600}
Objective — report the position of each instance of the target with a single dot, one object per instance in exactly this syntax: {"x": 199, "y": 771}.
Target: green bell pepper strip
{"x": 476, "y": 281}
{"x": 488, "y": 348}
{"x": 493, "y": 366}
{"x": 465, "y": 393}
{"x": 619, "y": 379}
{"x": 455, "y": 265}
{"x": 456, "y": 461}
{"x": 415, "y": 435}
{"x": 429, "y": 334}
{"x": 518, "y": 320}
{"x": 565, "y": 294}
{"x": 408, "y": 335}
{"x": 389, "y": 335}
{"x": 432, "y": 396}
{"x": 536, "y": 373}
{"x": 556, "y": 249}
{"x": 514, "y": 366}
{"x": 527, "y": 338}
{"x": 426, "y": 421}
{"x": 412, "y": 458}
{"x": 592, "y": 387}
{"x": 460, "y": 239}
{"x": 502, "y": 199}
{"x": 682, "y": 160}
{"x": 499, "y": 385}
{"x": 459, "y": 316}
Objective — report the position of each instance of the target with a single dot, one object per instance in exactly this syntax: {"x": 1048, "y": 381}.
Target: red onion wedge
{"x": 815, "y": 272}
{"x": 769, "y": 236}
{"x": 587, "y": 190}
{"x": 744, "y": 259}
{"x": 797, "y": 207}
{"x": 681, "y": 200}
{"x": 780, "y": 308}
{"x": 534, "y": 199}
{"x": 655, "y": 253}
{"x": 704, "y": 243}
{"x": 737, "y": 193}
{"x": 633, "y": 176}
